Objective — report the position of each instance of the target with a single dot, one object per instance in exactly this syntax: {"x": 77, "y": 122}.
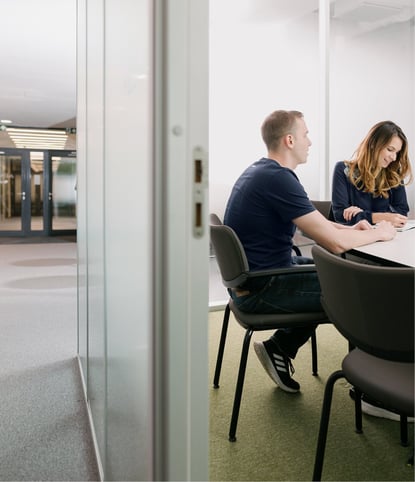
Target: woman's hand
{"x": 350, "y": 212}
{"x": 397, "y": 220}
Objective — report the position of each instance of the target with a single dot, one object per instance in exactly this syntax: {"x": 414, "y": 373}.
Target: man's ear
{"x": 289, "y": 140}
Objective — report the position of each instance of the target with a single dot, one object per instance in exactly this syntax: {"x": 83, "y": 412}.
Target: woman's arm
{"x": 397, "y": 209}
{"x": 340, "y": 193}
{"x": 349, "y": 205}
{"x": 398, "y": 200}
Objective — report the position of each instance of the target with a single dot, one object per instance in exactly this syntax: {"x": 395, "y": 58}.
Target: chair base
{"x": 324, "y": 422}
{"x": 242, "y": 366}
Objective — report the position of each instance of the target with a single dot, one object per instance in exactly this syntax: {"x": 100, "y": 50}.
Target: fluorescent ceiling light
{"x": 37, "y": 138}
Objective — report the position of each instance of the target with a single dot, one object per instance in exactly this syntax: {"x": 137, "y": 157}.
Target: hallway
{"x": 45, "y": 433}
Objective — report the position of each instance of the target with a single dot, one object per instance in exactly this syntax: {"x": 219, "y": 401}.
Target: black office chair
{"x": 234, "y": 269}
{"x": 373, "y": 308}
{"x": 325, "y": 208}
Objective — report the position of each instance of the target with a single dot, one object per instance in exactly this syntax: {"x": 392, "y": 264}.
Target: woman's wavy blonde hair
{"x": 363, "y": 170}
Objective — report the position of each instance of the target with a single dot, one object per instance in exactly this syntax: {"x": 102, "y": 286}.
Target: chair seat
{"x": 259, "y": 322}
{"x": 389, "y": 381}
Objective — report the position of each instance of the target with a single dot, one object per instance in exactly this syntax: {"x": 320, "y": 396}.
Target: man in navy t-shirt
{"x": 266, "y": 205}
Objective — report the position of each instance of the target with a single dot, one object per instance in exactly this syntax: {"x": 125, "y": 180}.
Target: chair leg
{"x": 221, "y": 349}
{"x": 324, "y": 423}
{"x": 239, "y": 385}
{"x": 404, "y": 430}
{"x": 314, "y": 366}
{"x": 358, "y": 410}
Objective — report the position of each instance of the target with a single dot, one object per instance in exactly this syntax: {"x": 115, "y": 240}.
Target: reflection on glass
{"x": 11, "y": 195}
{"x": 63, "y": 192}
{"x": 36, "y": 190}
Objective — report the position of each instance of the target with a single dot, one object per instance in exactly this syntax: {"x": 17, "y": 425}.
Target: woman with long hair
{"x": 371, "y": 185}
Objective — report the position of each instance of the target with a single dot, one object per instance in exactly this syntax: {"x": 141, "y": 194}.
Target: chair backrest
{"x": 372, "y": 306}
{"x": 230, "y": 254}
{"x": 325, "y": 208}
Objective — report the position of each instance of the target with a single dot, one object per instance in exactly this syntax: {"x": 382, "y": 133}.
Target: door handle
{"x": 23, "y": 194}
{"x": 50, "y": 196}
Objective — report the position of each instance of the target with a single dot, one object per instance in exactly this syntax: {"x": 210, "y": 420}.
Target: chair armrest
{"x": 301, "y": 268}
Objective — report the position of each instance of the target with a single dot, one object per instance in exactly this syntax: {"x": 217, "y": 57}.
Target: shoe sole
{"x": 263, "y": 357}
{"x": 369, "y": 409}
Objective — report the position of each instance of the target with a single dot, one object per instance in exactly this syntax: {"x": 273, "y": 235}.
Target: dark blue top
{"x": 345, "y": 194}
{"x": 263, "y": 202}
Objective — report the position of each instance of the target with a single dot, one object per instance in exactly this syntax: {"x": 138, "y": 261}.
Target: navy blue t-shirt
{"x": 263, "y": 202}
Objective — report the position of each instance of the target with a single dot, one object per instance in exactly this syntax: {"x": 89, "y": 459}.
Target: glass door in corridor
{"x": 37, "y": 192}
{"x": 62, "y": 192}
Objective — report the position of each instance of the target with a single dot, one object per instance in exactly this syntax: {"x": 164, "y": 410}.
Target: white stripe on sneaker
{"x": 279, "y": 362}
{"x": 276, "y": 365}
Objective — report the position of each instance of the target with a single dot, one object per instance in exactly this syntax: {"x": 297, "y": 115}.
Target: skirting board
{"x": 91, "y": 423}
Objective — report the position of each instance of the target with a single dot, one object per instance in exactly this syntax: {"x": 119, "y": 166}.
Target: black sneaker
{"x": 277, "y": 365}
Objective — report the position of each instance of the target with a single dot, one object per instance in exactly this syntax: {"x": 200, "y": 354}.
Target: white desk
{"x": 400, "y": 250}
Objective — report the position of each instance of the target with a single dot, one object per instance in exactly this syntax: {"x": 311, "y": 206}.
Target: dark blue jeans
{"x": 286, "y": 293}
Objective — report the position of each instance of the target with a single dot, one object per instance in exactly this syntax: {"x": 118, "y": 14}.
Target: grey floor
{"x": 44, "y": 430}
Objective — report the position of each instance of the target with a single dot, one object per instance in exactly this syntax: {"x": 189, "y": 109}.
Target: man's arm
{"x": 338, "y": 238}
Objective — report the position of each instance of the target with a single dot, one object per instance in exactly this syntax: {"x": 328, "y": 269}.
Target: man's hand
{"x": 362, "y": 225}
{"x": 385, "y": 230}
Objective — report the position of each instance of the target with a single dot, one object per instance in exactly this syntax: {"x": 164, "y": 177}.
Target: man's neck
{"x": 283, "y": 160}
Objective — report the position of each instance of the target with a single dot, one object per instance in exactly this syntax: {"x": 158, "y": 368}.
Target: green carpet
{"x": 277, "y": 431}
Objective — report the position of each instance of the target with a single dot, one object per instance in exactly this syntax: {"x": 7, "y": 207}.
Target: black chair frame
{"x": 235, "y": 271}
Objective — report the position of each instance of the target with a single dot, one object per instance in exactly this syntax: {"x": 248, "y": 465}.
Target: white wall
{"x": 265, "y": 56}
{"x": 253, "y": 71}
{"x": 372, "y": 79}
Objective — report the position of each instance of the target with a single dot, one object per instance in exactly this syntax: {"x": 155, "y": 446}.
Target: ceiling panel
{"x": 38, "y": 62}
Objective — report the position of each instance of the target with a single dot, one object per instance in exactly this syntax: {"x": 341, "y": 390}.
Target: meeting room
{"x": 348, "y": 70}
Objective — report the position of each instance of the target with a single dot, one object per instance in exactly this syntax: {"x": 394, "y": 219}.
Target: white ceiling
{"x": 38, "y": 62}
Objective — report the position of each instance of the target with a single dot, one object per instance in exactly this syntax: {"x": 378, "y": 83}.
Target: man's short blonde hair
{"x": 277, "y": 125}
